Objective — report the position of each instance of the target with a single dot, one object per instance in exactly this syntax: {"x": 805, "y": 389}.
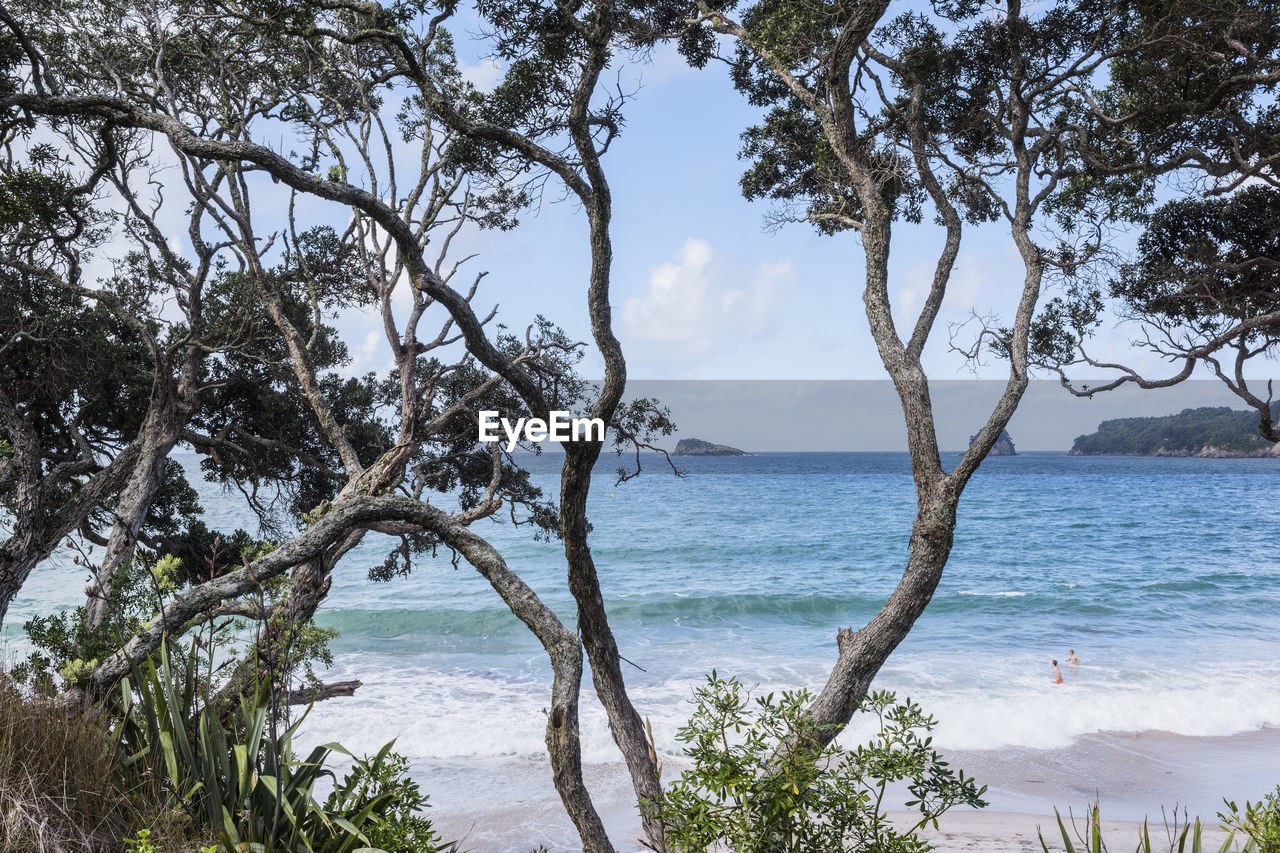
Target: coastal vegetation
{"x": 1260, "y": 821}
{"x": 744, "y": 788}
{"x": 1180, "y": 836}
{"x": 1218, "y": 431}
{"x": 182, "y": 755}
{"x": 176, "y": 672}
{"x": 1194, "y": 168}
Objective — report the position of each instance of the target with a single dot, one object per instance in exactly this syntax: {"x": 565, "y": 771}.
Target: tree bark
{"x": 307, "y": 695}
{"x": 23, "y": 549}
{"x": 159, "y": 436}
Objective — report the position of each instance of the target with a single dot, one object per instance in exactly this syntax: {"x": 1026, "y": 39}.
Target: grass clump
{"x": 1181, "y": 835}
{"x": 65, "y": 787}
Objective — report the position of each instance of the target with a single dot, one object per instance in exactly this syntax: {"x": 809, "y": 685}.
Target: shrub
{"x": 240, "y": 777}
{"x": 1260, "y": 822}
{"x": 399, "y": 827}
{"x": 747, "y": 795}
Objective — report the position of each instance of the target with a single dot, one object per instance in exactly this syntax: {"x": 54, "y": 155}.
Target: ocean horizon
{"x": 1160, "y": 573}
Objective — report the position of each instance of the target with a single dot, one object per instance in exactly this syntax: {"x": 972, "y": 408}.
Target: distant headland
{"x": 698, "y": 447}
{"x": 1205, "y": 433}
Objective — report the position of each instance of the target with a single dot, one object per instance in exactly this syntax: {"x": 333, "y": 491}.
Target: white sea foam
{"x": 442, "y": 716}
{"x": 1009, "y": 594}
{"x": 1052, "y": 716}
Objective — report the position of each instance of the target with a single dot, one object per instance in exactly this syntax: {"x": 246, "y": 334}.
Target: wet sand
{"x": 1014, "y": 832}
{"x": 1133, "y": 775}
{"x": 509, "y": 806}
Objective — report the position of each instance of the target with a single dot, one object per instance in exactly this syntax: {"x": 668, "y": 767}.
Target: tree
{"x": 325, "y": 71}
{"x": 1183, "y": 141}
{"x": 969, "y": 115}
{"x": 93, "y": 397}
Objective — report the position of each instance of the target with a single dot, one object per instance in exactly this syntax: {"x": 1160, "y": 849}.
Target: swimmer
{"x": 1057, "y": 673}
{"x": 1071, "y": 657}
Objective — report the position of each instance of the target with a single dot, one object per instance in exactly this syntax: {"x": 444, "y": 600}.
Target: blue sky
{"x": 701, "y": 290}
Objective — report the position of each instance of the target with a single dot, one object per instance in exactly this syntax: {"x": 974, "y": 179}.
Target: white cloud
{"x": 688, "y": 311}
{"x": 965, "y": 287}
{"x": 484, "y": 74}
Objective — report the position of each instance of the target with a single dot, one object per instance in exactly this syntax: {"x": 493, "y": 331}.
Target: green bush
{"x": 240, "y": 777}
{"x": 400, "y": 827}
{"x": 744, "y": 793}
{"x": 1260, "y": 822}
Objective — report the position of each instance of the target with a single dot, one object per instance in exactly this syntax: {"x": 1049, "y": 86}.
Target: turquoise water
{"x": 1163, "y": 575}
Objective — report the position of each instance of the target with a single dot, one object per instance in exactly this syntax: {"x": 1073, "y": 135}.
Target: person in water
{"x": 1057, "y": 673}
{"x": 1071, "y": 657}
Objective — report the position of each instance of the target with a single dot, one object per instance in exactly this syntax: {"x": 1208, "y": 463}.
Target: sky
{"x": 865, "y": 415}
{"x": 701, "y": 290}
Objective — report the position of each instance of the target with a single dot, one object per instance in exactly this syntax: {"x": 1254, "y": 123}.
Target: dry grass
{"x": 62, "y": 790}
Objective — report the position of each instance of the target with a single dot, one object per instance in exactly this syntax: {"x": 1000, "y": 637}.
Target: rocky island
{"x": 1002, "y": 447}
{"x": 1205, "y": 433}
{"x": 698, "y": 447}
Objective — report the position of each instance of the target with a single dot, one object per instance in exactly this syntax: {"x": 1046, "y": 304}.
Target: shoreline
{"x": 511, "y": 807}
{"x": 989, "y": 831}
{"x": 1133, "y": 774}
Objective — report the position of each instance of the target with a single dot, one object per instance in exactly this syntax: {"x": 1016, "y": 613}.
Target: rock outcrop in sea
{"x": 1002, "y": 447}
{"x": 698, "y": 447}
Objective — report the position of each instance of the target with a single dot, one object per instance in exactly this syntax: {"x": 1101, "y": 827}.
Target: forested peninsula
{"x": 1207, "y": 432}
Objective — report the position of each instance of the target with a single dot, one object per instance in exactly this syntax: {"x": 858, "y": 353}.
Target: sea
{"x": 1162, "y": 574}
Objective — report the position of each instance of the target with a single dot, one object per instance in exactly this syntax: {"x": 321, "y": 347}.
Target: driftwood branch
{"x": 307, "y": 695}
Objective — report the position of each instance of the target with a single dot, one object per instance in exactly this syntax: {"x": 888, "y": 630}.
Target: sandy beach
{"x": 496, "y": 809}
{"x": 1016, "y": 832}
{"x": 1134, "y": 774}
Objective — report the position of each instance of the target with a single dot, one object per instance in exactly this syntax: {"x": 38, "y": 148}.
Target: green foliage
{"x": 401, "y": 827}
{"x": 63, "y": 642}
{"x": 760, "y": 782}
{"x": 1208, "y": 263}
{"x": 1259, "y": 821}
{"x": 141, "y": 844}
{"x": 1181, "y": 836}
{"x": 1183, "y": 434}
{"x": 241, "y": 778}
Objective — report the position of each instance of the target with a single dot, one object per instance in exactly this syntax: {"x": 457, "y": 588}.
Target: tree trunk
{"x": 625, "y": 722}
{"x": 37, "y": 532}
{"x": 563, "y": 741}
{"x": 863, "y": 653}
{"x": 159, "y": 435}
{"x": 22, "y": 551}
